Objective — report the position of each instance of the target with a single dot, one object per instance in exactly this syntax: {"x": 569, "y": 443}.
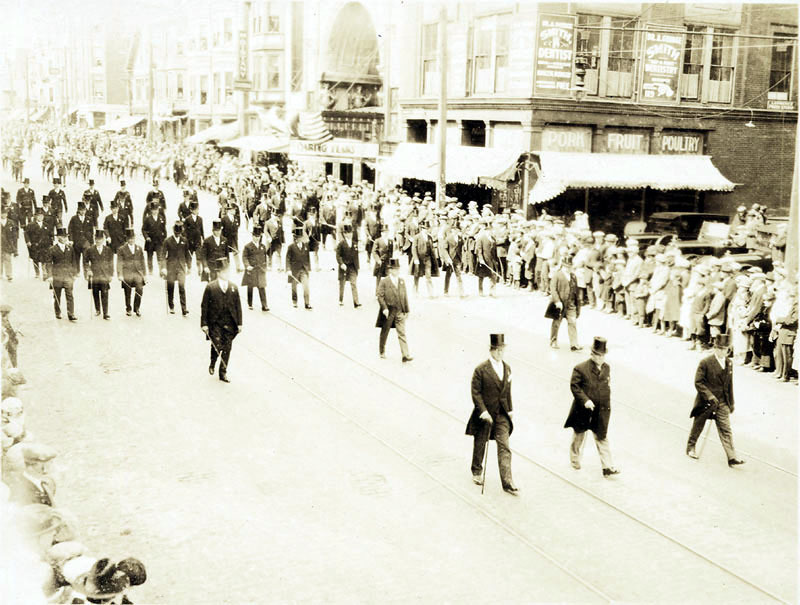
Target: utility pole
{"x": 387, "y": 87}
{"x": 441, "y": 185}
{"x": 150, "y": 87}
{"x": 27, "y": 90}
{"x": 243, "y": 51}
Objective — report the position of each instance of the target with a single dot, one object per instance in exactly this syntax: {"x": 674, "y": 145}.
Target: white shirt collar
{"x": 223, "y": 284}
{"x": 498, "y": 367}
{"x": 720, "y": 362}
{"x": 394, "y": 280}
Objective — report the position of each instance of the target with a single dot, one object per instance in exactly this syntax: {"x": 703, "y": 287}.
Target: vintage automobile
{"x": 663, "y": 227}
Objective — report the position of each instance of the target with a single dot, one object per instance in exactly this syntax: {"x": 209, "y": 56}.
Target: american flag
{"x": 311, "y": 127}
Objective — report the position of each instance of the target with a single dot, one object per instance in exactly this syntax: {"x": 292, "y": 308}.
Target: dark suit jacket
{"x": 26, "y": 202}
{"x": 221, "y": 310}
{"x": 62, "y": 266}
{"x": 101, "y": 264}
{"x": 490, "y": 393}
{"x": 394, "y": 300}
{"x": 255, "y": 256}
{"x": 177, "y": 257}
{"x": 38, "y": 240}
{"x": 131, "y": 265}
{"x": 589, "y": 382}
{"x": 154, "y": 231}
{"x": 58, "y": 201}
{"x": 81, "y": 232}
{"x": 123, "y": 198}
{"x": 193, "y": 230}
{"x": 347, "y": 255}
{"x": 714, "y": 385}
{"x": 211, "y": 251}
{"x": 565, "y": 290}
{"x": 115, "y": 230}
{"x": 298, "y": 261}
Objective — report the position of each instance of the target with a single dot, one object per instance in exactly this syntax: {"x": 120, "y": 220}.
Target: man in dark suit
{"x": 394, "y": 310}
{"x": 58, "y": 199}
{"x": 81, "y": 234}
{"x": 486, "y": 261}
{"x": 382, "y": 252}
{"x": 62, "y": 267}
{"x": 123, "y": 198}
{"x": 564, "y": 295}
{"x": 347, "y": 260}
{"x": 423, "y": 258}
{"x": 114, "y": 225}
{"x": 451, "y": 245}
{"x": 154, "y": 231}
{"x": 493, "y": 412}
{"x": 591, "y": 406}
{"x": 193, "y": 232}
{"x": 255, "y": 269}
{"x": 33, "y": 485}
{"x": 157, "y": 196}
{"x": 131, "y": 271}
{"x": 713, "y": 381}
{"x": 38, "y": 240}
{"x": 174, "y": 262}
{"x": 26, "y": 202}
{"x": 99, "y": 271}
{"x": 213, "y": 247}
{"x": 221, "y": 317}
{"x": 94, "y": 204}
{"x": 298, "y": 266}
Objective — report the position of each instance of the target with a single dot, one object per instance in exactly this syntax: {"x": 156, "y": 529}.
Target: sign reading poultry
{"x": 661, "y": 64}
{"x": 555, "y": 52}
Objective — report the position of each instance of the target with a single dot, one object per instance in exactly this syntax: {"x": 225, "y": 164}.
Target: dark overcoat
{"x": 590, "y": 383}
{"x": 255, "y": 256}
{"x": 178, "y": 258}
{"x": 490, "y": 393}
{"x": 713, "y": 384}
{"x": 221, "y": 310}
{"x": 101, "y": 264}
{"x": 347, "y": 255}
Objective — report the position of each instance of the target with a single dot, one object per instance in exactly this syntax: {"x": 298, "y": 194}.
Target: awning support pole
{"x": 644, "y": 195}
{"x": 586, "y": 201}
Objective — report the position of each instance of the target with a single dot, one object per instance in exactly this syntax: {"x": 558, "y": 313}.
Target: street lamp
{"x": 750, "y": 123}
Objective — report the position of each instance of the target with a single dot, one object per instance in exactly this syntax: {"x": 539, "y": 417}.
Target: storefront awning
{"x": 561, "y": 171}
{"x": 220, "y": 132}
{"x": 166, "y": 119}
{"x": 260, "y": 142}
{"x": 123, "y": 123}
{"x": 468, "y": 165}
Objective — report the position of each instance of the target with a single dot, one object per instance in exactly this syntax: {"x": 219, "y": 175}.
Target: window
{"x": 588, "y": 46}
{"x": 228, "y": 30}
{"x": 273, "y": 65}
{"x": 417, "y": 131}
{"x": 692, "y": 62}
{"x": 228, "y": 86}
{"x": 473, "y": 133}
{"x": 179, "y": 85}
{"x": 720, "y": 79}
{"x": 203, "y": 90}
{"x": 781, "y": 76}
{"x": 430, "y": 69}
{"x": 489, "y": 61}
{"x": 217, "y": 93}
{"x": 257, "y": 67}
{"x": 619, "y": 78}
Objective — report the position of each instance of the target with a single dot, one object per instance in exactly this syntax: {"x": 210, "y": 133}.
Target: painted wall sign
{"x": 567, "y": 138}
{"x": 555, "y": 52}
{"x": 661, "y": 65}
{"x": 242, "y": 80}
{"x": 626, "y": 141}
{"x": 679, "y": 143}
{"x": 336, "y": 147}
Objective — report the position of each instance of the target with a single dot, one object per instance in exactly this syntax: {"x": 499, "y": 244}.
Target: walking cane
{"x": 221, "y": 360}
{"x": 707, "y": 430}
{"x": 166, "y": 294}
{"x": 486, "y": 457}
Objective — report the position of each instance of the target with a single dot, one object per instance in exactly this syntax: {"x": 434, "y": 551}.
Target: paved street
{"x": 323, "y": 473}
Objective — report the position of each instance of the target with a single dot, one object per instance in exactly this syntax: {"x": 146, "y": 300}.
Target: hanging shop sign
{"x": 567, "y": 138}
{"x": 661, "y": 64}
{"x": 673, "y": 143}
{"x": 342, "y": 148}
{"x": 555, "y": 53}
{"x": 242, "y": 80}
{"x": 625, "y": 141}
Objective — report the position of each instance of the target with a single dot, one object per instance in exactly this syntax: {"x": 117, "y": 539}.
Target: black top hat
{"x": 61, "y": 231}
{"x": 99, "y": 232}
{"x": 347, "y": 228}
{"x": 130, "y": 232}
{"x": 497, "y": 340}
{"x": 216, "y": 225}
{"x": 91, "y": 181}
{"x": 394, "y": 263}
{"x": 122, "y": 183}
{"x": 722, "y": 341}
{"x": 193, "y": 205}
{"x": 298, "y": 232}
{"x": 114, "y": 204}
{"x": 177, "y": 227}
{"x": 599, "y": 346}
{"x": 221, "y": 263}
{"x": 81, "y": 206}
{"x": 56, "y": 181}
{"x": 257, "y": 231}
{"x": 26, "y": 180}
{"x": 39, "y": 212}
{"x": 45, "y": 199}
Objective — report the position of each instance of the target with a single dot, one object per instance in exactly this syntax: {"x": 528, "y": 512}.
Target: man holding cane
{"x": 492, "y": 415}
{"x": 221, "y": 317}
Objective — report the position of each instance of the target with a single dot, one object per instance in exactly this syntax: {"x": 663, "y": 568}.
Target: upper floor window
{"x": 607, "y": 44}
{"x": 588, "y": 46}
{"x": 692, "y": 75}
{"x": 720, "y": 77}
{"x": 228, "y": 30}
{"x": 782, "y": 74}
{"x": 621, "y": 58}
{"x": 430, "y": 65}
{"x": 709, "y": 60}
{"x": 489, "y": 55}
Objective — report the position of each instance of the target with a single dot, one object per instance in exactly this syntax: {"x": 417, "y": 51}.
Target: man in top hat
{"x": 487, "y": 263}
{"x": 273, "y": 232}
{"x": 26, "y": 202}
{"x": 157, "y": 196}
{"x": 99, "y": 271}
{"x": 591, "y": 406}
{"x": 314, "y": 232}
{"x": 230, "y": 231}
{"x": 213, "y": 247}
{"x": 123, "y": 199}
{"x": 81, "y": 233}
{"x": 255, "y": 269}
{"x": 451, "y": 245}
{"x": 394, "y": 309}
{"x": 131, "y": 272}
{"x": 347, "y": 261}
{"x": 62, "y": 267}
{"x": 114, "y": 225}
{"x": 174, "y": 262}
{"x": 183, "y": 208}
{"x": 58, "y": 199}
{"x": 33, "y": 485}
{"x": 492, "y": 415}
{"x": 38, "y": 240}
{"x": 154, "y": 231}
{"x": 564, "y": 295}
{"x": 94, "y": 204}
{"x": 713, "y": 381}
{"x": 221, "y": 317}
{"x": 8, "y": 246}
{"x": 382, "y": 251}
{"x": 424, "y": 261}
{"x": 298, "y": 266}
{"x": 193, "y": 231}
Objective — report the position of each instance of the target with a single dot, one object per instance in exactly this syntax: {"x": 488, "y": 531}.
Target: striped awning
{"x": 311, "y": 127}
{"x": 220, "y": 132}
{"x": 562, "y": 170}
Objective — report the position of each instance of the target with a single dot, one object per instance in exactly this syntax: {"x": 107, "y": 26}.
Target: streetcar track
{"x": 531, "y": 460}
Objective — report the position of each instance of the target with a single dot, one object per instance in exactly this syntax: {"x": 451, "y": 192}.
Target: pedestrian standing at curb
{"x": 591, "y": 406}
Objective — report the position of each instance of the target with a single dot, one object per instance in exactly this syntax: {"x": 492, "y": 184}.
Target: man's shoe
{"x": 576, "y": 348}
{"x": 511, "y": 489}
{"x": 576, "y": 465}
{"x": 211, "y": 370}
{"x": 138, "y": 313}
{"x": 250, "y": 307}
{"x": 294, "y": 305}
{"x": 692, "y": 453}
{"x": 106, "y": 317}
{"x": 553, "y": 345}
{"x": 356, "y": 305}
{"x": 265, "y": 309}
{"x": 309, "y": 307}
{"x": 72, "y": 318}
{"x": 58, "y": 315}
{"x": 383, "y": 355}
{"x": 172, "y": 311}
{"x": 477, "y": 479}
{"x": 128, "y": 313}
{"x": 97, "y": 313}
{"x": 185, "y": 312}
{"x": 407, "y": 359}
{"x": 735, "y": 462}
{"x": 224, "y": 378}
{"x": 610, "y": 472}
{"x": 341, "y": 303}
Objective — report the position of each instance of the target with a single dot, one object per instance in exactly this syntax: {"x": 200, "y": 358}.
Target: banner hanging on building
{"x": 661, "y": 64}
{"x": 555, "y": 55}
{"x": 242, "y": 80}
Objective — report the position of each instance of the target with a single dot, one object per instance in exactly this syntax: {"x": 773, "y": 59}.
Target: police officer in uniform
{"x": 99, "y": 271}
